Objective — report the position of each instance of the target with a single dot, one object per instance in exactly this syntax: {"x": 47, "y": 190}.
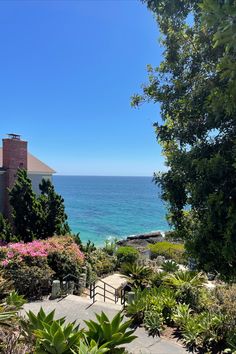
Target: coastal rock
{"x": 141, "y": 241}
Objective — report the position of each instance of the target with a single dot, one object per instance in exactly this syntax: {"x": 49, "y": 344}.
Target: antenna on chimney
{"x": 14, "y": 136}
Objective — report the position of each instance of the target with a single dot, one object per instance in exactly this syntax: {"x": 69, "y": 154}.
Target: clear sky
{"x": 67, "y": 72}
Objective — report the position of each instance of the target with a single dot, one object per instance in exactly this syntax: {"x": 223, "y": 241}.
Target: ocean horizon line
{"x": 74, "y": 175}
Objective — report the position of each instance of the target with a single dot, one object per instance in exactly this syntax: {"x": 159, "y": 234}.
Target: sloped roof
{"x": 34, "y": 165}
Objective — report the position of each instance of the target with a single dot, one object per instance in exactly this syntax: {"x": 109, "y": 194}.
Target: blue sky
{"x": 67, "y": 72}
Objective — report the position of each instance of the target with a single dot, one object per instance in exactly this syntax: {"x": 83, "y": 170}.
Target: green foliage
{"x": 203, "y": 330}
{"x": 138, "y": 275}
{"x": 36, "y": 217}
{"x": 26, "y": 210}
{"x": 169, "y": 266}
{"x": 188, "y": 285}
{"x": 101, "y": 262}
{"x": 157, "y": 278}
{"x": 91, "y": 348}
{"x": 195, "y": 86}
{"x": 29, "y": 280}
{"x": 186, "y": 277}
{"x": 127, "y": 254}
{"x": 174, "y": 251}
{"x": 110, "y": 246}
{"x": 13, "y": 300}
{"x": 110, "y": 333}
{"x": 62, "y": 264}
{"x": 54, "y": 218}
{"x": 153, "y": 323}
{"x": 57, "y": 339}
{"x": 6, "y": 233}
{"x": 160, "y": 300}
{"x": 5, "y": 285}
{"x": 137, "y": 308}
{"x": 182, "y": 314}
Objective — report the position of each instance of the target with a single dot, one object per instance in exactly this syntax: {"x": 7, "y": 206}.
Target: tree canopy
{"x": 195, "y": 86}
{"x": 36, "y": 217}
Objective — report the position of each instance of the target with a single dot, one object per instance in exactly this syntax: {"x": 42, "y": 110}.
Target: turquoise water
{"x": 103, "y": 207}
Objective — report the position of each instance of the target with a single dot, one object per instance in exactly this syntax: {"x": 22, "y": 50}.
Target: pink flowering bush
{"x": 32, "y": 266}
{"x": 41, "y": 248}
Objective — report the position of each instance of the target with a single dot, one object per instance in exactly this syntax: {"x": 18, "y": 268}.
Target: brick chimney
{"x": 14, "y": 157}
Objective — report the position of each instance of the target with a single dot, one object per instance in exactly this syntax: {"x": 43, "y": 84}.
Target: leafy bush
{"x": 153, "y": 323}
{"x": 55, "y": 338}
{"x": 9, "y": 325}
{"x": 186, "y": 277}
{"x": 110, "y": 333}
{"x": 31, "y": 266}
{"x": 30, "y": 280}
{"x": 181, "y": 314}
{"x": 127, "y": 254}
{"x": 138, "y": 275}
{"x": 203, "y": 330}
{"x": 157, "y": 278}
{"x": 169, "y": 266}
{"x": 110, "y": 246}
{"x": 174, "y": 251}
{"x": 62, "y": 265}
{"x": 160, "y": 300}
{"x": 101, "y": 262}
{"x": 137, "y": 308}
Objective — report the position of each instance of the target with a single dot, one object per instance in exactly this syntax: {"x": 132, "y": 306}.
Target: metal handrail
{"x": 93, "y": 293}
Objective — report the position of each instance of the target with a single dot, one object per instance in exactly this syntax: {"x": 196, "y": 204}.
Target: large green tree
{"x": 37, "y": 217}
{"x": 197, "y": 130}
{"x": 54, "y": 216}
{"x": 27, "y": 212}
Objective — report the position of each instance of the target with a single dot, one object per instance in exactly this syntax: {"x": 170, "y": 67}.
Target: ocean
{"x": 100, "y": 208}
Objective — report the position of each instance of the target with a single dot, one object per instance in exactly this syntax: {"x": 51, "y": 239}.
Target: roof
{"x": 34, "y": 165}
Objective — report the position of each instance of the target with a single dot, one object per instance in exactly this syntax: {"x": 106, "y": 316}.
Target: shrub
{"x": 186, "y": 277}
{"x": 30, "y": 281}
{"x": 153, "y": 323}
{"x": 110, "y": 333}
{"x": 127, "y": 254}
{"x": 169, "y": 266}
{"x": 174, "y": 251}
{"x": 101, "y": 262}
{"x": 181, "y": 314}
{"x": 138, "y": 275}
{"x": 62, "y": 265}
{"x": 203, "y": 330}
{"x": 157, "y": 278}
{"x": 110, "y": 246}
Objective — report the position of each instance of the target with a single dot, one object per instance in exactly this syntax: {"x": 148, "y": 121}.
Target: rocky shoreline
{"x": 141, "y": 241}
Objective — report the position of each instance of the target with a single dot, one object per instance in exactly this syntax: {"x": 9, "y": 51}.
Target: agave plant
{"x": 183, "y": 277}
{"x": 110, "y": 333}
{"x": 55, "y": 338}
{"x": 13, "y": 300}
{"x": 139, "y": 275}
{"x": 170, "y": 266}
{"x": 181, "y": 314}
{"x": 138, "y": 306}
{"x": 153, "y": 323}
{"x": 92, "y": 348}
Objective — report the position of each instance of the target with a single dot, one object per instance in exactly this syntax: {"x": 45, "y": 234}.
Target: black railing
{"x": 104, "y": 290}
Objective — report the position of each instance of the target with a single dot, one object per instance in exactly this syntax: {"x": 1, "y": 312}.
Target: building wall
{"x": 36, "y": 180}
{"x": 2, "y": 191}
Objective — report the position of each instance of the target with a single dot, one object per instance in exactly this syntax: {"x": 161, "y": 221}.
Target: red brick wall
{"x": 14, "y": 157}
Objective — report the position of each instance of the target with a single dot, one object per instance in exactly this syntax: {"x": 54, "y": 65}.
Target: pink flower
{"x": 5, "y": 263}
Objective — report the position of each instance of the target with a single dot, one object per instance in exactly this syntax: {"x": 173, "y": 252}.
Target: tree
{"x": 26, "y": 209}
{"x": 37, "y": 217}
{"x": 54, "y": 216}
{"x": 6, "y": 234}
{"x": 197, "y": 129}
